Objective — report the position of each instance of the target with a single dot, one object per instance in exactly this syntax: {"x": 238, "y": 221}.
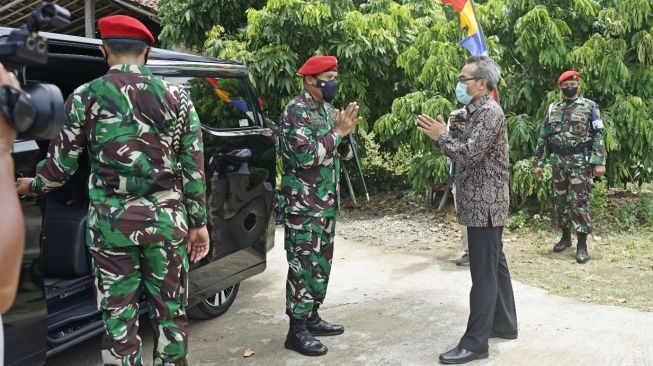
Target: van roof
{"x": 155, "y": 53}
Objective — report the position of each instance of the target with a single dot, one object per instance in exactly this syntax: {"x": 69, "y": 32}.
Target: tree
{"x": 401, "y": 58}
{"x": 186, "y": 23}
{"x": 610, "y": 42}
{"x": 366, "y": 36}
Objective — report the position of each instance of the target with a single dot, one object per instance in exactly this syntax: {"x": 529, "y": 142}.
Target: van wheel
{"x": 216, "y": 305}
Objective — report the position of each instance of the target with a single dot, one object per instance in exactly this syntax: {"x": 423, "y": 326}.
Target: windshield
{"x": 221, "y": 103}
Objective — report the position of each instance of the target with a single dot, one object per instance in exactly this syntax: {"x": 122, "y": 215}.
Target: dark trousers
{"x": 491, "y": 302}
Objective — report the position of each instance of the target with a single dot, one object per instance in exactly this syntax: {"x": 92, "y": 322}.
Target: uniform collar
{"x": 137, "y": 69}
{"x": 575, "y": 101}
{"x": 478, "y": 103}
{"x": 309, "y": 100}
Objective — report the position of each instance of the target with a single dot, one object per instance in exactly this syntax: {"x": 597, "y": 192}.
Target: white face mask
{"x": 461, "y": 93}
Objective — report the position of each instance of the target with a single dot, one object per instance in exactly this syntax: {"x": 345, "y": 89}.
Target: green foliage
{"x": 518, "y": 220}
{"x": 599, "y": 200}
{"x": 401, "y": 58}
{"x": 428, "y": 166}
{"x": 366, "y": 36}
{"x": 609, "y": 42}
{"x": 524, "y": 185}
{"x": 635, "y": 214}
{"x": 542, "y": 222}
{"x": 402, "y": 121}
{"x": 427, "y": 169}
{"x": 625, "y": 217}
{"x": 214, "y": 112}
{"x": 522, "y": 135}
{"x": 383, "y": 170}
{"x": 187, "y": 22}
{"x": 645, "y": 209}
{"x": 541, "y": 38}
{"x": 603, "y": 57}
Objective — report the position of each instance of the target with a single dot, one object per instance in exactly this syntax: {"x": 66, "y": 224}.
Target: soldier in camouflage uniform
{"x": 572, "y": 137}
{"x": 147, "y": 193}
{"x": 311, "y": 145}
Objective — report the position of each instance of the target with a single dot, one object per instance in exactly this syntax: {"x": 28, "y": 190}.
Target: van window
{"x": 221, "y": 103}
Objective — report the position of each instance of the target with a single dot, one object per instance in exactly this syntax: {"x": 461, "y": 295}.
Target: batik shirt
{"x": 481, "y": 157}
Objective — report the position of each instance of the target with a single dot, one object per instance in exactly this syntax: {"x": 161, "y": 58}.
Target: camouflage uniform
{"x": 309, "y": 194}
{"x": 573, "y": 147}
{"x": 144, "y": 197}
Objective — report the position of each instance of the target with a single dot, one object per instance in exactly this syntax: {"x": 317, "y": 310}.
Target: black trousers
{"x": 491, "y": 301}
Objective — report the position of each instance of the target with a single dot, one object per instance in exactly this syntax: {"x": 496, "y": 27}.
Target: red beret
{"x": 122, "y": 26}
{"x": 571, "y": 74}
{"x": 318, "y": 64}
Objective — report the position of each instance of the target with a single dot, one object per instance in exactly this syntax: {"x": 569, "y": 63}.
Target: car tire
{"x": 216, "y": 305}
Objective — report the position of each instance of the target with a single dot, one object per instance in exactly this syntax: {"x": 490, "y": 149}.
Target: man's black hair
{"x": 124, "y": 46}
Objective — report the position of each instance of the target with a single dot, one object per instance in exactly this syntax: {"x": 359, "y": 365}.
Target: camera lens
{"x": 41, "y": 46}
{"x": 31, "y": 43}
{"x": 49, "y": 117}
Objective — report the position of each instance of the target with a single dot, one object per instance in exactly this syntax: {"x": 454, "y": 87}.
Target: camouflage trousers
{"x": 122, "y": 275}
{"x": 309, "y": 250}
{"x": 572, "y": 191}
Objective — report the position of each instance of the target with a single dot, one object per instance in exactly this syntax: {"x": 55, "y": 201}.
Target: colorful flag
{"x": 475, "y": 42}
{"x": 457, "y": 4}
{"x": 239, "y": 104}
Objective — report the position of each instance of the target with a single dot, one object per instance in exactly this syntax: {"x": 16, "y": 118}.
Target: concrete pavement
{"x": 403, "y": 309}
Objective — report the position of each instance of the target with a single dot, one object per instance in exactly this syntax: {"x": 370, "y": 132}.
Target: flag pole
{"x": 480, "y": 29}
{"x": 478, "y": 25}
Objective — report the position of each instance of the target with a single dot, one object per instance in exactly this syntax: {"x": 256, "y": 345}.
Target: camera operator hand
{"x": 7, "y": 132}
{"x": 12, "y": 227}
{"x": 347, "y": 120}
{"x": 22, "y": 187}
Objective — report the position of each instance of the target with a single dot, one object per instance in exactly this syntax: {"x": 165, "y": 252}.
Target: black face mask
{"x": 569, "y": 91}
{"x": 328, "y": 89}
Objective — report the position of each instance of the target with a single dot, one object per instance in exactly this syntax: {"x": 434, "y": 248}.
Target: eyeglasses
{"x": 463, "y": 79}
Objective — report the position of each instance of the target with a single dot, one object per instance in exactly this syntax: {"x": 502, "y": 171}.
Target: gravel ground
{"x": 620, "y": 271}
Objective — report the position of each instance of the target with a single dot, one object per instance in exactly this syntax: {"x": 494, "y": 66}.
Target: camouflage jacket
{"x": 140, "y": 190}
{"x": 311, "y": 153}
{"x": 567, "y": 125}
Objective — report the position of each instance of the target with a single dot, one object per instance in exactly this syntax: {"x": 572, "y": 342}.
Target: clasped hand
{"x": 347, "y": 120}
{"x": 433, "y": 128}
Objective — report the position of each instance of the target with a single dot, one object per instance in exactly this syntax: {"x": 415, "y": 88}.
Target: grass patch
{"x": 620, "y": 270}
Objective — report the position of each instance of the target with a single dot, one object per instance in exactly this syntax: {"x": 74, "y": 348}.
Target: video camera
{"x": 37, "y": 111}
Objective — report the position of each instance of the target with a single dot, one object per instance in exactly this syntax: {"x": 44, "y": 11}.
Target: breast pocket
{"x": 559, "y": 124}
{"x": 580, "y": 122}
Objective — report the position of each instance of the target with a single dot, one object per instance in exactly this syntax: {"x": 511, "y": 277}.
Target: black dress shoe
{"x": 494, "y": 334}
{"x": 463, "y": 261}
{"x": 460, "y": 355}
{"x": 300, "y": 340}
{"x": 319, "y": 327}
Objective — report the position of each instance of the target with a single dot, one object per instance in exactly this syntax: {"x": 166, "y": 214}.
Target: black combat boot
{"x": 581, "y": 248}
{"x": 565, "y": 242}
{"x": 318, "y": 327}
{"x": 300, "y": 340}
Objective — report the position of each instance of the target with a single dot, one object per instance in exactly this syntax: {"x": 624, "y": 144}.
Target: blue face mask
{"x": 461, "y": 94}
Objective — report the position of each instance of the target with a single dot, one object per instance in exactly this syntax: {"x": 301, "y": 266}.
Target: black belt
{"x": 578, "y": 149}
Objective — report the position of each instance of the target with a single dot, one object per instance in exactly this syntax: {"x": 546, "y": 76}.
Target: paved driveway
{"x": 402, "y": 309}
